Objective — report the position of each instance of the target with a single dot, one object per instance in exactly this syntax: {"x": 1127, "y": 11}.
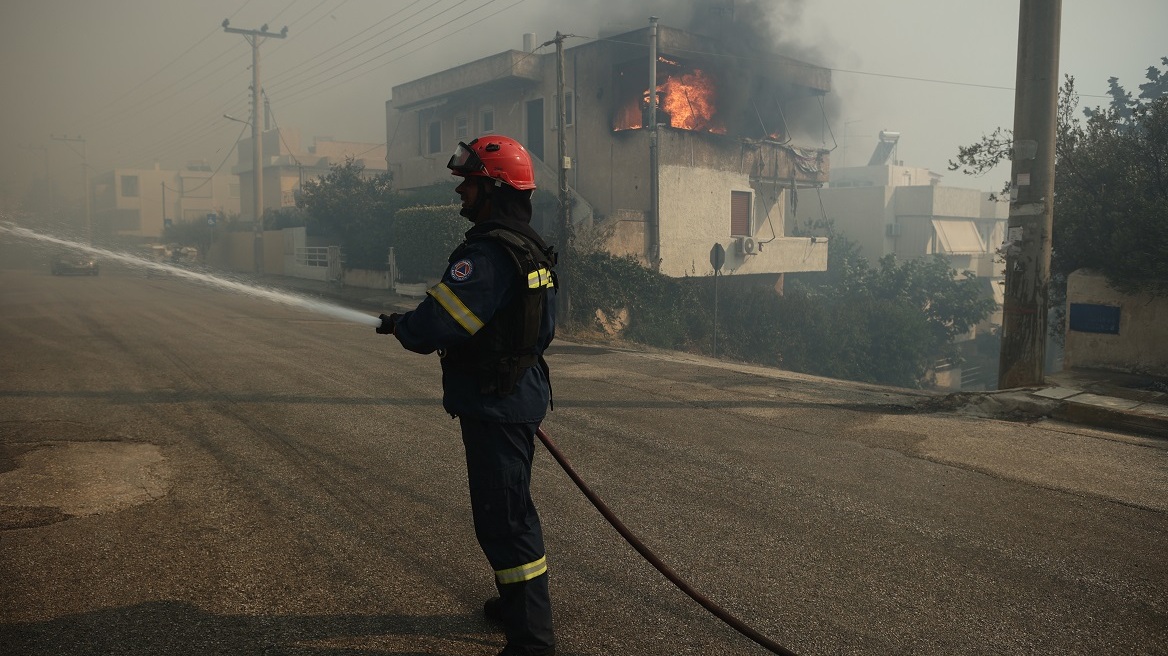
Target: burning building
{"x": 721, "y": 164}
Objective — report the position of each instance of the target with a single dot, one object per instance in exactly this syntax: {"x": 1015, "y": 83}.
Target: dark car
{"x": 74, "y": 264}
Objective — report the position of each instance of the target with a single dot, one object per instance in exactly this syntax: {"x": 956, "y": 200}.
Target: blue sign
{"x": 167, "y": 223}
{"x": 1090, "y": 318}
{"x": 212, "y": 218}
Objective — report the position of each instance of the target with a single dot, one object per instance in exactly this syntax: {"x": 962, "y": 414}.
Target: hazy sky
{"x": 147, "y": 80}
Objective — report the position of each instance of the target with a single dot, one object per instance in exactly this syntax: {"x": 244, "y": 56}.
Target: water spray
{"x": 275, "y": 296}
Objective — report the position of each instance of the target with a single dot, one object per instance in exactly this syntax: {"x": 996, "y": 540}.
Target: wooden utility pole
{"x": 654, "y": 250}
{"x": 1028, "y": 237}
{"x": 562, "y": 294}
{"x": 254, "y": 39}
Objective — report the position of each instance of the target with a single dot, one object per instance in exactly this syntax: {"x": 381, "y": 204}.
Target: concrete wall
{"x": 1141, "y": 345}
{"x": 695, "y": 214}
{"x": 239, "y": 250}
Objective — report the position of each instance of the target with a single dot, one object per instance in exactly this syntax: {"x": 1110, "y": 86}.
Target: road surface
{"x": 187, "y": 471}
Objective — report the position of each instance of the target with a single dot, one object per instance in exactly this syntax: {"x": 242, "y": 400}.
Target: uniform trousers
{"x": 498, "y": 463}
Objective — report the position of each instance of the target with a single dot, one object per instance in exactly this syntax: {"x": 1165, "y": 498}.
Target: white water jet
{"x": 275, "y": 296}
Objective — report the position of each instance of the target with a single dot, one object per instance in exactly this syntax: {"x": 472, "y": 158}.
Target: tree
{"x": 1111, "y": 187}
{"x": 356, "y": 208}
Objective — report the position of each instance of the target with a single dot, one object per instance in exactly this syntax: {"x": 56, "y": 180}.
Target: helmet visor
{"x": 465, "y": 161}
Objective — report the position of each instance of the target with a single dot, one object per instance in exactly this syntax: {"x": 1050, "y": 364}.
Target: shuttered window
{"x": 740, "y": 214}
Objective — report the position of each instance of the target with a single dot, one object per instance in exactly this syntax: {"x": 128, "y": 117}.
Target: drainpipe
{"x": 654, "y": 179}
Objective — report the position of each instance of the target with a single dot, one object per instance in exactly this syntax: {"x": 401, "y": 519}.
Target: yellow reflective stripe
{"x": 523, "y": 572}
{"x": 457, "y": 309}
{"x": 540, "y": 278}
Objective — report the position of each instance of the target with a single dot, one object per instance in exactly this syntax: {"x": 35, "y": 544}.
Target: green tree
{"x": 1111, "y": 187}
{"x": 356, "y": 208}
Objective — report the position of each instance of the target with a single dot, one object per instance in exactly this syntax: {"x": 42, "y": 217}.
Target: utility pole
{"x": 85, "y": 166}
{"x": 654, "y": 183}
{"x": 563, "y": 299}
{"x": 254, "y": 38}
{"x": 1028, "y": 237}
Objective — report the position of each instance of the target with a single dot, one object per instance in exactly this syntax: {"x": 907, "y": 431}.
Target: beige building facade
{"x": 137, "y": 203}
{"x": 717, "y": 178}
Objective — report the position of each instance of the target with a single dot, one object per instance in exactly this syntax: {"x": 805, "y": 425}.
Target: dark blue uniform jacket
{"x": 484, "y": 280}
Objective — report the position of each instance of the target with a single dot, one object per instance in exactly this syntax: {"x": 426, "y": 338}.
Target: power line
{"x": 796, "y": 62}
{"x": 292, "y": 97}
{"x": 317, "y": 56}
{"x": 305, "y": 80}
{"x": 217, "y": 168}
{"x": 124, "y": 96}
{"x": 327, "y": 13}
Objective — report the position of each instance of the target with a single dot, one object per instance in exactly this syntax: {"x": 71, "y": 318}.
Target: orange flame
{"x": 688, "y": 100}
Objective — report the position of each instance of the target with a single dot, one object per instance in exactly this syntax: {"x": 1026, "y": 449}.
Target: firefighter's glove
{"x": 388, "y": 324}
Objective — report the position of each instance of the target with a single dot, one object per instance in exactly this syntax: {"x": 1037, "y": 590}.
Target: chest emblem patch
{"x": 461, "y": 270}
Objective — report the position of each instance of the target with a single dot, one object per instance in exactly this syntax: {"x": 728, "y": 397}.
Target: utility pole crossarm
{"x": 253, "y": 38}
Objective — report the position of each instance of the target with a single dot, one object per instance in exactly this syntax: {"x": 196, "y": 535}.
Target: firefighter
{"x": 490, "y": 319}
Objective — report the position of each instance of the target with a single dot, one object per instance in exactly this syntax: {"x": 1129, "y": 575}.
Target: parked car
{"x": 70, "y": 264}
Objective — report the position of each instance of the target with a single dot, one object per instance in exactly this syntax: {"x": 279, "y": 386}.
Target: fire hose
{"x": 656, "y": 562}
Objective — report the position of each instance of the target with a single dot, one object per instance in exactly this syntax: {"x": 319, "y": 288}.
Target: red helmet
{"x": 496, "y": 157}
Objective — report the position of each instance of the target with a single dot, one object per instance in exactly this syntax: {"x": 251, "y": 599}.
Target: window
{"x": 434, "y": 137}
{"x": 130, "y": 186}
{"x": 740, "y": 214}
{"x": 487, "y": 119}
{"x": 461, "y": 127}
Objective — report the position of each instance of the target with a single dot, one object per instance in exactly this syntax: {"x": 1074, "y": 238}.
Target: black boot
{"x": 493, "y": 610}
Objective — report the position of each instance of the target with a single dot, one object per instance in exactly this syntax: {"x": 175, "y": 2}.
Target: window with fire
{"x": 703, "y": 96}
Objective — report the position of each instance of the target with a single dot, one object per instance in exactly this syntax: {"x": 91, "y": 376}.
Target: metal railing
{"x": 313, "y": 256}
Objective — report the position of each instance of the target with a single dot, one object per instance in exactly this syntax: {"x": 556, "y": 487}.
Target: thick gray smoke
{"x": 751, "y": 31}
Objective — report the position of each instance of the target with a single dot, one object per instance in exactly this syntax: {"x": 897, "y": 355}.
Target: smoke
{"x": 751, "y": 32}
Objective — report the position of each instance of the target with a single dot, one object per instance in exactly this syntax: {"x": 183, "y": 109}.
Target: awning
{"x": 958, "y": 237}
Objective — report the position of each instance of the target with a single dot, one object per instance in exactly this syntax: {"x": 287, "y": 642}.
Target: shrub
{"x": 423, "y": 238}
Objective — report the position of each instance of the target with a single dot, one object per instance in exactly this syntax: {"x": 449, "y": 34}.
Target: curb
{"x": 1132, "y": 420}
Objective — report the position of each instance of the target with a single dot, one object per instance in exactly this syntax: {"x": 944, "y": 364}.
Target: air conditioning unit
{"x": 892, "y": 230}
{"x": 747, "y": 246}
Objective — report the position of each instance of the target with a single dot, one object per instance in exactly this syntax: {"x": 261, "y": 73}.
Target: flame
{"x": 687, "y": 100}
{"x": 690, "y": 101}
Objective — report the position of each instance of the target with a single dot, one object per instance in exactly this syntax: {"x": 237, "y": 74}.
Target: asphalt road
{"x": 186, "y": 471}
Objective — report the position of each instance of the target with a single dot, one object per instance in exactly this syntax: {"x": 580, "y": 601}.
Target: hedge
{"x": 423, "y": 237}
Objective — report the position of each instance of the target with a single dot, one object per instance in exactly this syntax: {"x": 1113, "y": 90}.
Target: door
{"x": 534, "y": 141}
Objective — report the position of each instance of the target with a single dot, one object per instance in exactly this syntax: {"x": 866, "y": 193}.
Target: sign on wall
{"x": 1092, "y": 318}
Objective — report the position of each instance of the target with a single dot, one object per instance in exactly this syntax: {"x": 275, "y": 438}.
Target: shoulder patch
{"x": 461, "y": 270}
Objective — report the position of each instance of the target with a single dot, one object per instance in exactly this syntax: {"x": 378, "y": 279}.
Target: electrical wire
{"x": 281, "y": 132}
{"x": 389, "y": 144}
{"x": 216, "y": 171}
{"x": 386, "y": 63}
{"x": 317, "y": 57}
{"x": 93, "y": 115}
{"x": 307, "y": 28}
{"x": 325, "y": 73}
